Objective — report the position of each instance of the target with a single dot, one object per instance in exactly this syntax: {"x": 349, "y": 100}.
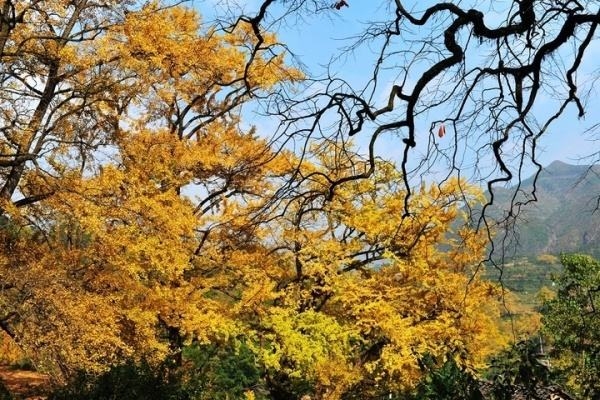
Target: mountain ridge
{"x": 565, "y": 217}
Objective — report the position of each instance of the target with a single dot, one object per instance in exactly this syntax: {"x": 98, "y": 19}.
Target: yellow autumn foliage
{"x": 387, "y": 289}
{"x": 138, "y": 156}
{"x": 150, "y": 220}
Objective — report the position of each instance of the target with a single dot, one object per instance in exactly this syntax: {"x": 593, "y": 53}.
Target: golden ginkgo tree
{"x": 367, "y": 293}
{"x": 138, "y": 217}
{"x": 110, "y": 111}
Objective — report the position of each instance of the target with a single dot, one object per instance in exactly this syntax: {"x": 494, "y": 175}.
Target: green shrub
{"x": 222, "y": 372}
{"x": 572, "y": 323}
{"x": 446, "y": 382}
{"x": 518, "y": 366}
{"x": 129, "y": 381}
{"x": 4, "y": 393}
{"x": 23, "y": 364}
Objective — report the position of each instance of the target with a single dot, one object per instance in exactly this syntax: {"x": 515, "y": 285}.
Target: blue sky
{"x": 315, "y": 38}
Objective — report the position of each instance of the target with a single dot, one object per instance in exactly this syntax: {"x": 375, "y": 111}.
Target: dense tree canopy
{"x": 139, "y": 216}
{"x": 572, "y": 322}
{"x": 109, "y": 112}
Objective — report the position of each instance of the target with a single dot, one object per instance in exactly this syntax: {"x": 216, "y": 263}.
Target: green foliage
{"x": 524, "y": 277}
{"x": 221, "y": 372}
{"x": 24, "y": 364}
{"x": 129, "y": 381}
{"x": 208, "y": 372}
{"x": 572, "y": 321}
{"x": 447, "y": 382}
{"x": 4, "y": 393}
{"x": 517, "y": 366}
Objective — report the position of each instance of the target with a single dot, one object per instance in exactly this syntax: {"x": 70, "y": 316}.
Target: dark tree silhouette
{"x": 468, "y": 91}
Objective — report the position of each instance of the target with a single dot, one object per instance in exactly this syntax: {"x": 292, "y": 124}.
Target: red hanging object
{"x": 441, "y": 131}
{"x": 340, "y": 4}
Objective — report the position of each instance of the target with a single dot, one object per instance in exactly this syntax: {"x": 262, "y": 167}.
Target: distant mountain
{"x": 566, "y": 217}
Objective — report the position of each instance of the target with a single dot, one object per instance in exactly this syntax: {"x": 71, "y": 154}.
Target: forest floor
{"x": 26, "y": 385}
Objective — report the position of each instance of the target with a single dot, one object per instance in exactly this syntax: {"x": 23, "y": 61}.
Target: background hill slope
{"x": 565, "y": 217}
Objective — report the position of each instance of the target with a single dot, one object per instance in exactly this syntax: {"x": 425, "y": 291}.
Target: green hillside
{"x": 564, "y": 219}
